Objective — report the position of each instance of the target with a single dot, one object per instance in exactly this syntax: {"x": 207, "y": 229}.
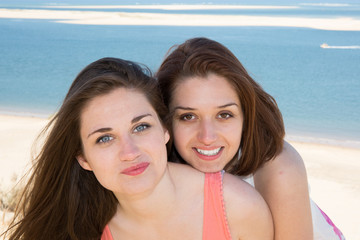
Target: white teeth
{"x": 208, "y": 152}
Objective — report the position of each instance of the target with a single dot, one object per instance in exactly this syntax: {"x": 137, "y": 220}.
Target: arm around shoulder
{"x": 248, "y": 214}
{"x": 283, "y": 184}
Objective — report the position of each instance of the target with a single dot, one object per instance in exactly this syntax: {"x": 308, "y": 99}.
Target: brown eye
{"x": 187, "y": 117}
{"x": 225, "y": 115}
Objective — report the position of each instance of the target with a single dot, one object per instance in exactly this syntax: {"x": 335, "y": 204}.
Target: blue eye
{"x": 141, "y": 127}
{"x": 104, "y": 139}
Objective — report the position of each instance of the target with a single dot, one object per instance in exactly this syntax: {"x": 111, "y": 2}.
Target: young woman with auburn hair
{"x": 244, "y": 135}
{"x": 103, "y": 172}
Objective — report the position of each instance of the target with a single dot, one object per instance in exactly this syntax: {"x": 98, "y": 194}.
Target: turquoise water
{"x": 317, "y": 89}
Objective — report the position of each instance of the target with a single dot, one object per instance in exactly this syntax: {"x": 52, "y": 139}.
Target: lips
{"x": 136, "y": 170}
{"x": 208, "y": 154}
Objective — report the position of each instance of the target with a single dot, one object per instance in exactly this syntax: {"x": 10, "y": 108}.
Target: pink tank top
{"x": 215, "y": 226}
{"x": 215, "y": 222}
{"x": 106, "y": 234}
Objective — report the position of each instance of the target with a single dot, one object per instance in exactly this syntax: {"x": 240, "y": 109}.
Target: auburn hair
{"x": 263, "y": 127}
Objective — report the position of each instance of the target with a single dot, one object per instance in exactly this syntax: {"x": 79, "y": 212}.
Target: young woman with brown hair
{"x": 220, "y": 118}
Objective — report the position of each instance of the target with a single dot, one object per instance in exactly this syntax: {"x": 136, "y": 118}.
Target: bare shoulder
{"x": 245, "y": 208}
{"x": 289, "y": 157}
{"x": 288, "y": 165}
{"x": 238, "y": 191}
{"x": 181, "y": 170}
{"x": 185, "y": 176}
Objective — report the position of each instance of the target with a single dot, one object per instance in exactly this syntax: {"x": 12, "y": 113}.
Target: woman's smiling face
{"x": 207, "y": 122}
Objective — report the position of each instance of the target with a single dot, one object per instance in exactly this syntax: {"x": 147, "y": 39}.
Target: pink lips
{"x": 136, "y": 170}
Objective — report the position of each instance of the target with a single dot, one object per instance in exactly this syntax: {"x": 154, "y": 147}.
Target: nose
{"x": 207, "y": 132}
{"x": 129, "y": 150}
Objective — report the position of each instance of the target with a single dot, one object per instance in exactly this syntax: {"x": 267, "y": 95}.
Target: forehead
{"x": 204, "y": 90}
{"x": 118, "y": 105}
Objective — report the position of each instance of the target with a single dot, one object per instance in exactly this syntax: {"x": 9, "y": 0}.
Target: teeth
{"x": 208, "y": 152}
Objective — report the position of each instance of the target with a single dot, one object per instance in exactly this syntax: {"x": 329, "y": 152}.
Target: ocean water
{"x": 317, "y": 89}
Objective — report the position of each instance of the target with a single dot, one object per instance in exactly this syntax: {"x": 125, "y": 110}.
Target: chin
{"x": 209, "y": 168}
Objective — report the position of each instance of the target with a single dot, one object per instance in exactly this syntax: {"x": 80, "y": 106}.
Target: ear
{"x": 167, "y": 136}
{"x": 83, "y": 162}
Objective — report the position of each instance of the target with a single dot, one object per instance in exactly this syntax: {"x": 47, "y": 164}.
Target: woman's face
{"x": 207, "y": 122}
{"x": 123, "y": 142}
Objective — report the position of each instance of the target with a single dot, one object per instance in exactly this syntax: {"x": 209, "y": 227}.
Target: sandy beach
{"x": 166, "y": 19}
{"x": 334, "y": 179}
{"x": 333, "y": 171}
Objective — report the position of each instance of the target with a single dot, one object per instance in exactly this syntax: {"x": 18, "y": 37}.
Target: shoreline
{"x": 25, "y": 114}
{"x": 166, "y": 19}
{"x": 333, "y": 171}
{"x": 324, "y": 141}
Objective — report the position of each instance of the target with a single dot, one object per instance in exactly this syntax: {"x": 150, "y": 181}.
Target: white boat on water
{"x": 325, "y": 45}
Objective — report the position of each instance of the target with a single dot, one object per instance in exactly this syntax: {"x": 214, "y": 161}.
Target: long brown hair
{"x": 62, "y": 200}
{"x": 263, "y": 128}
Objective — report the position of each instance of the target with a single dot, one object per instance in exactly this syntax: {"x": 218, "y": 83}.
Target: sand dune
{"x": 173, "y": 7}
{"x": 164, "y": 19}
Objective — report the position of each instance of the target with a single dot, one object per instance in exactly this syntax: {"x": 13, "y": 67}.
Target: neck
{"x": 156, "y": 203}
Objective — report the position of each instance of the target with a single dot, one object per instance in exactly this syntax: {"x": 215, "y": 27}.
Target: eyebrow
{"x": 228, "y": 105}
{"x": 192, "y": 109}
{"x": 183, "y": 108}
{"x": 100, "y": 130}
{"x": 134, "y": 120}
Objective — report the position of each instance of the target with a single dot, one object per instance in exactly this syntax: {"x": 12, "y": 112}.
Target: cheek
{"x": 101, "y": 167}
{"x": 179, "y": 144}
{"x": 234, "y": 136}
{"x": 154, "y": 146}
{"x": 101, "y": 160}
{"x": 181, "y": 136}
{"x": 103, "y": 173}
